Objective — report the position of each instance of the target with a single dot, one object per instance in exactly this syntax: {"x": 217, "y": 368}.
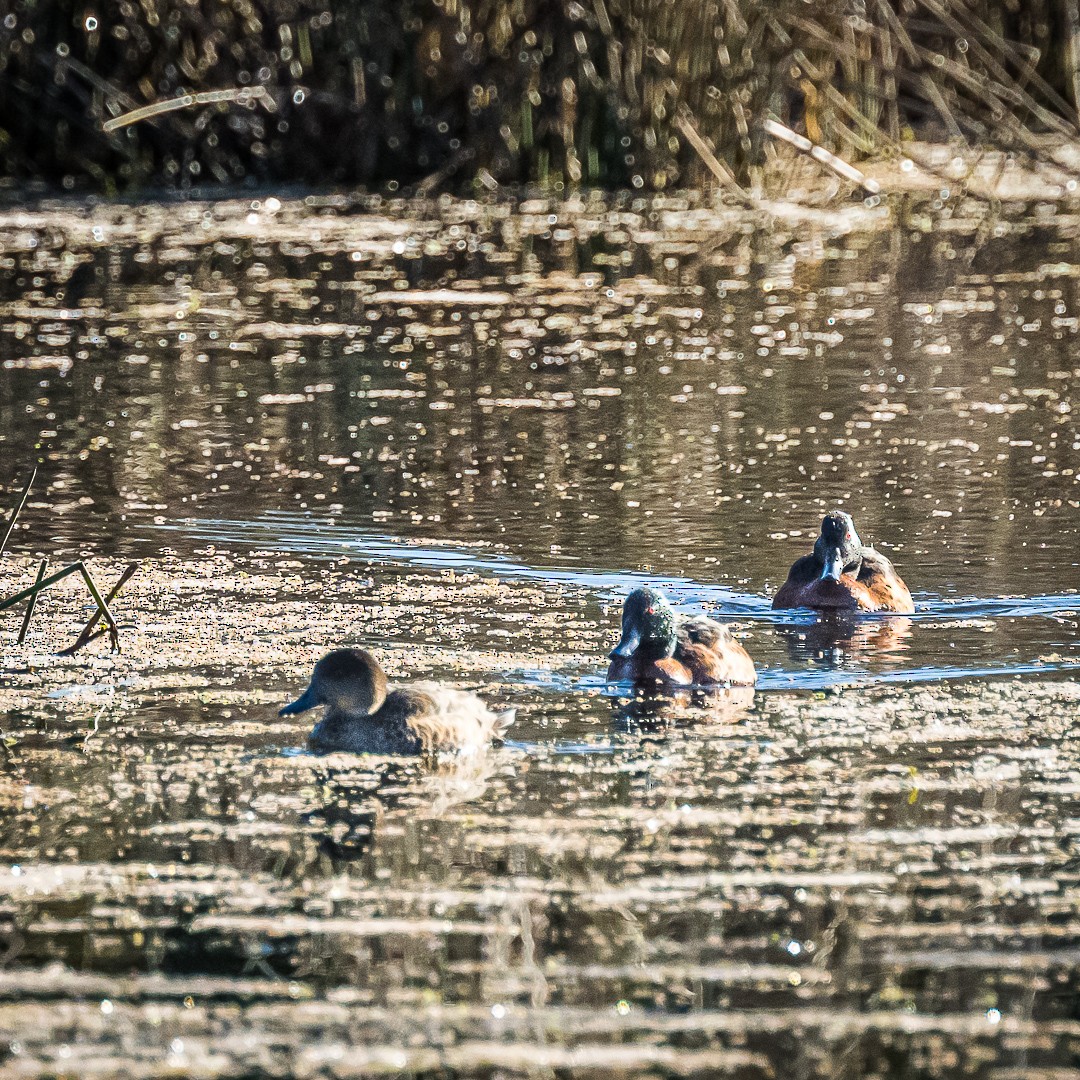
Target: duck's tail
{"x": 503, "y": 720}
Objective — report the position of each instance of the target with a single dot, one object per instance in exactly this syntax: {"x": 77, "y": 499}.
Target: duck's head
{"x": 648, "y": 625}
{"x": 838, "y": 547}
{"x": 349, "y": 682}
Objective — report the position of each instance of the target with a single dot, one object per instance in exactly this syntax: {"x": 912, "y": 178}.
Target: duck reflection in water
{"x": 659, "y": 708}
{"x": 837, "y": 639}
{"x": 357, "y": 801}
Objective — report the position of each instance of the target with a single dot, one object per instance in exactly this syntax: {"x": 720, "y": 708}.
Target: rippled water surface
{"x": 457, "y": 434}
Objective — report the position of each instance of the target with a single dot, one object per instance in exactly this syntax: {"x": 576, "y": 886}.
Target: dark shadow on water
{"x": 349, "y": 805}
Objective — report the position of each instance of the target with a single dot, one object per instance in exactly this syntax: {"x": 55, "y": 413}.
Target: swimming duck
{"x": 362, "y": 718}
{"x": 843, "y": 575}
{"x": 659, "y": 648}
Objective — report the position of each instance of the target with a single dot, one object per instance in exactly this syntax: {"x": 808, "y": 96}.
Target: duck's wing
{"x": 446, "y": 719}
{"x": 803, "y": 571}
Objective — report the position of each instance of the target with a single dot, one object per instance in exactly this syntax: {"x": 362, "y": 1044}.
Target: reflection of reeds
{"x": 42, "y": 582}
{"x": 600, "y": 93}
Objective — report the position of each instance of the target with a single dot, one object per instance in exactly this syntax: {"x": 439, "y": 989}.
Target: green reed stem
{"x": 33, "y": 602}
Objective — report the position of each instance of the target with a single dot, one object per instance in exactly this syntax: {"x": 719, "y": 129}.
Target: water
{"x": 458, "y": 434}
{"x": 794, "y": 649}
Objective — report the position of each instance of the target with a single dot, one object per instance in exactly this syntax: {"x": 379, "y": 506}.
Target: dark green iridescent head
{"x": 648, "y": 626}
{"x": 838, "y": 548}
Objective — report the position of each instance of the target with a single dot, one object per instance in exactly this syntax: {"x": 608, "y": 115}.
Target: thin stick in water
{"x": 87, "y": 634}
{"x": 44, "y": 583}
{"x": 75, "y": 568}
{"x": 18, "y": 510}
{"x": 32, "y": 603}
{"x": 103, "y": 608}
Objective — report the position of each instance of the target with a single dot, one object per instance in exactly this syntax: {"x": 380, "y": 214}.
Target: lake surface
{"x": 458, "y": 433}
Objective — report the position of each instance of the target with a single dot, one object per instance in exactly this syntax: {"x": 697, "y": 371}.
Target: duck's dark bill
{"x": 631, "y": 639}
{"x": 834, "y": 565}
{"x": 304, "y": 702}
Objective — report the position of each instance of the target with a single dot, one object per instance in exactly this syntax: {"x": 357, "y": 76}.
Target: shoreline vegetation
{"x": 471, "y": 96}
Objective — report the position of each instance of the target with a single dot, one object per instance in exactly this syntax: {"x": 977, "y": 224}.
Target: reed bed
{"x": 457, "y": 94}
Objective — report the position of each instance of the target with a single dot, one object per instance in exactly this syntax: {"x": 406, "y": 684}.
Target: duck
{"x": 843, "y": 574}
{"x": 361, "y": 716}
{"x": 658, "y": 648}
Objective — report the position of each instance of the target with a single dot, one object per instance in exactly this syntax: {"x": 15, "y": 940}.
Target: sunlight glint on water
{"x": 457, "y": 434}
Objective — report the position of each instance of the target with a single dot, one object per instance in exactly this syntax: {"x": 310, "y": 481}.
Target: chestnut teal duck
{"x": 843, "y": 574}
{"x": 658, "y": 648}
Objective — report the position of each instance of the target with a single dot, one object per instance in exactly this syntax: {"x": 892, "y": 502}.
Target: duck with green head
{"x": 362, "y": 717}
{"x": 843, "y": 574}
{"x": 658, "y": 648}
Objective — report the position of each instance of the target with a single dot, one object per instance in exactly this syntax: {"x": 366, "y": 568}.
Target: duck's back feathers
{"x": 419, "y": 719}
{"x": 885, "y": 587}
{"x": 389, "y": 730}
{"x": 699, "y": 630}
{"x": 443, "y": 719}
{"x": 711, "y": 655}
{"x": 875, "y": 567}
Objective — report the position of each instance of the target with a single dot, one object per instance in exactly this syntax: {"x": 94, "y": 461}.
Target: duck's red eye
{"x": 650, "y": 610}
{"x": 848, "y": 536}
